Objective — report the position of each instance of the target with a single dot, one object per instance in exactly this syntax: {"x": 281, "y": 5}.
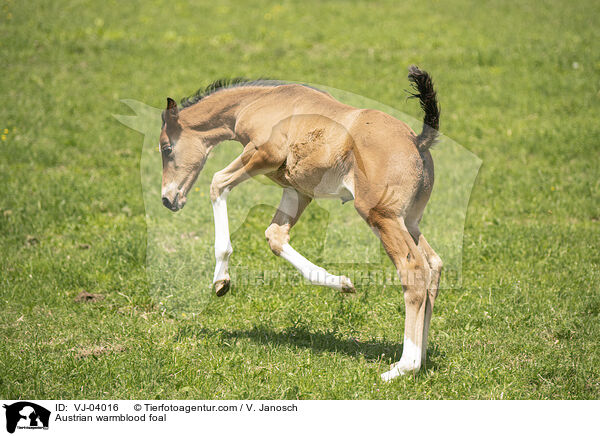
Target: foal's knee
{"x": 217, "y": 186}
{"x": 277, "y": 235}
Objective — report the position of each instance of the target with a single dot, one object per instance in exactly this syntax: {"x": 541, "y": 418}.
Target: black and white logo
{"x": 26, "y": 415}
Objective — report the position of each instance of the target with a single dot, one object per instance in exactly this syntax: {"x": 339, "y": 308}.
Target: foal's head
{"x": 184, "y": 152}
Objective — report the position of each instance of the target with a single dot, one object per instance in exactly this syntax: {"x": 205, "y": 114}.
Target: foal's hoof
{"x": 221, "y": 287}
{"x": 391, "y": 374}
{"x": 398, "y": 369}
{"x": 347, "y": 286}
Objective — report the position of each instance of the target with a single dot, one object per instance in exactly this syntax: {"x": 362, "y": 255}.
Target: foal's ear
{"x": 172, "y": 111}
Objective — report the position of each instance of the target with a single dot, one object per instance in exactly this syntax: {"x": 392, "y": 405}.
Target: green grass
{"x": 518, "y": 84}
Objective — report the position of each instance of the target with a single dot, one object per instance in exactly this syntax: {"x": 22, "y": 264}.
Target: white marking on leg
{"x": 313, "y": 273}
{"x": 409, "y": 362}
{"x": 223, "y": 247}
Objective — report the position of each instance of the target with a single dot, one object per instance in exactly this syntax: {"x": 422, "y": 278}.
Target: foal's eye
{"x": 166, "y": 148}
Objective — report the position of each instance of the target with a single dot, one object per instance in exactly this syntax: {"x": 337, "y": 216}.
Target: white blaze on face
{"x": 170, "y": 190}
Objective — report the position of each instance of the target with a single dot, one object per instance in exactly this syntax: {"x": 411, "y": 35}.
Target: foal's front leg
{"x": 251, "y": 162}
{"x": 223, "y": 249}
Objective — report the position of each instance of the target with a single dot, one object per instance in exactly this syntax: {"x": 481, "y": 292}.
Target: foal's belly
{"x": 318, "y": 183}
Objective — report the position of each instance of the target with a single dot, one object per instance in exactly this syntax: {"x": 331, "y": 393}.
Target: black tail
{"x": 423, "y": 90}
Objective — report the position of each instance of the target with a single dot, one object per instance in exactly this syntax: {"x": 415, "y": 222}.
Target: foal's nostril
{"x": 166, "y": 202}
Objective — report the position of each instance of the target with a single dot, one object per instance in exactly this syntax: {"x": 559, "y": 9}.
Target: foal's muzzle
{"x": 174, "y": 205}
{"x": 168, "y": 204}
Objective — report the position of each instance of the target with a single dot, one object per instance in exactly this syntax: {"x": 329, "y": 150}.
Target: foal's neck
{"x": 216, "y": 115}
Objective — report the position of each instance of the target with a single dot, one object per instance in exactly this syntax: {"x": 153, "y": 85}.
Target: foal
{"x": 313, "y": 147}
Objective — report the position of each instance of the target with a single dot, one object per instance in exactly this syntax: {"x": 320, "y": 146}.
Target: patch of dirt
{"x": 30, "y": 241}
{"x": 169, "y": 249}
{"x": 97, "y": 351}
{"x": 84, "y": 246}
{"x": 86, "y": 297}
{"x": 190, "y": 235}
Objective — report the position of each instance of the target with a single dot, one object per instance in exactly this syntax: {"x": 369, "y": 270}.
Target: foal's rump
{"x": 389, "y": 167}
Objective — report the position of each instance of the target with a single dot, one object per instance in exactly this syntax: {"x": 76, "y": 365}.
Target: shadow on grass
{"x": 318, "y": 342}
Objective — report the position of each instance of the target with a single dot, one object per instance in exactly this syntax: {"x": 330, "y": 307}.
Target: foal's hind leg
{"x": 291, "y": 207}
{"x": 415, "y": 274}
{"x": 435, "y": 263}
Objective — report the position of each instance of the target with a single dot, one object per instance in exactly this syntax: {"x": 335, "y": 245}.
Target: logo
{"x": 26, "y": 415}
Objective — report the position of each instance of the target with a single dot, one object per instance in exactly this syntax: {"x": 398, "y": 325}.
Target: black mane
{"x": 220, "y": 84}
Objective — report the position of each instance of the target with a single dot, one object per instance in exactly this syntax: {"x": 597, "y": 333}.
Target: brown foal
{"x": 314, "y": 146}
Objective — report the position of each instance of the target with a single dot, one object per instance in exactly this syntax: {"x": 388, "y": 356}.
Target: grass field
{"x": 519, "y": 87}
